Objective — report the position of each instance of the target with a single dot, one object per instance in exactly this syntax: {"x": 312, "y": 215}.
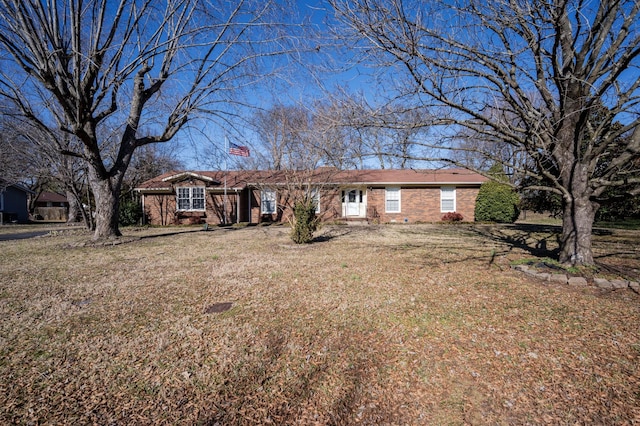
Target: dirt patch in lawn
{"x": 374, "y": 325}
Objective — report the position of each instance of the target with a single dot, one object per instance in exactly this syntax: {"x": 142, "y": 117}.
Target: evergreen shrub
{"x": 497, "y": 201}
{"x": 305, "y": 221}
{"x": 130, "y": 213}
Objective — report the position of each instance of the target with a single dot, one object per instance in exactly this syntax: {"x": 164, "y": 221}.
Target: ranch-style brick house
{"x": 375, "y": 196}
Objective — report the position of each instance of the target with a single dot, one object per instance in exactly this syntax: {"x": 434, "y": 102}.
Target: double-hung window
{"x": 268, "y": 201}
{"x": 447, "y": 199}
{"x": 392, "y": 199}
{"x": 190, "y": 198}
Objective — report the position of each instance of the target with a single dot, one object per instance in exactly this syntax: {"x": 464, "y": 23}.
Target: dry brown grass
{"x": 373, "y": 325}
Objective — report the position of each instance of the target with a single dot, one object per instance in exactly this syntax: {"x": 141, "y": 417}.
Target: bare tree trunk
{"x": 577, "y": 225}
{"x": 77, "y": 210}
{"x": 74, "y": 207}
{"x": 106, "y": 192}
{"x": 578, "y": 210}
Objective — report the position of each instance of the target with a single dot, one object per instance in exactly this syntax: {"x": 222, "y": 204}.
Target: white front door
{"x": 353, "y": 202}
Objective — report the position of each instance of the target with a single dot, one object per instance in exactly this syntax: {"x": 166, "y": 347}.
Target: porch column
{"x": 249, "y": 203}
{"x": 237, "y": 206}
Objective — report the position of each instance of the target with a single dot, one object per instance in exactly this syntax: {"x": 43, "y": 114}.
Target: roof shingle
{"x": 243, "y": 178}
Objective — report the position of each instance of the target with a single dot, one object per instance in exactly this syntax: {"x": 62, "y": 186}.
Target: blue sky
{"x": 303, "y": 86}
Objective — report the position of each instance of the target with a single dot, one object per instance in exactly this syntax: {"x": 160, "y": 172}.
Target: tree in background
{"x": 340, "y": 143}
{"x": 384, "y": 136}
{"x": 12, "y": 167}
{"x": 497, "y": 200}
{"x": 527, "y": 74}
{"x": 122, "y": 74}
{"x": 615, "y": 203}
{"x": 282, "y": 131}
{"x": 37, "y": 152}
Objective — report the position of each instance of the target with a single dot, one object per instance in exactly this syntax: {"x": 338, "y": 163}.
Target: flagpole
{"x": 226, "y": 171}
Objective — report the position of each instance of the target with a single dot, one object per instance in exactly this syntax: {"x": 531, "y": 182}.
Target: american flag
{"x": 234, "y": 149}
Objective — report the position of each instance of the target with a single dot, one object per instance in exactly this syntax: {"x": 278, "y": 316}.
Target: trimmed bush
{"x": 452, "y": 217}
{"x": 497, "y": 201}
{"x": 305, "y": 221}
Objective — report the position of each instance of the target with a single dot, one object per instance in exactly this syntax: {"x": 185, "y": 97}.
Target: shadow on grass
{"x": 536, "y": 239}
{"x": 533, "y": 239}
{"x": 173, "y": 233}
{"x": 268, "y": 383}
{"x": 614, "y": 253}
{"x": 331, "y": 234}
{"x": 472, "y": 242}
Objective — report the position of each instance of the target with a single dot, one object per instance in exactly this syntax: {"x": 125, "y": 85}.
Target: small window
{"x": 188, "y": 198}
{"x": 392, "y": 200}
{"x": 268, "y": 201}
{"x": 447, "y": 199}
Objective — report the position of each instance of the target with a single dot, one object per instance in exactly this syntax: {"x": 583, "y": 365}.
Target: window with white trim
{"x": 268, "y": 201}
{"x": 392, "y": 199}
{"x": 190, "y": 198}
{"x": 447, "y": 199}
{"x": 315, "y": 196}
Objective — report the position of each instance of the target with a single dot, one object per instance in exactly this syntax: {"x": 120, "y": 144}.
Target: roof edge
{"x": 188, "y": 174}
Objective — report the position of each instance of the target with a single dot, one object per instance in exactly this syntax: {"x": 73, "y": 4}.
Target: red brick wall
{"x": 330, "y": 206}
{"x": 466, "y": 202}
{"x": 161, "y": 208}
{"x": 416, "y": 205}
{"x": 419, "y": 205}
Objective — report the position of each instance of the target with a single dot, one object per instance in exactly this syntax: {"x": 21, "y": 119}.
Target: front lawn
{"x": 419, "y": 324}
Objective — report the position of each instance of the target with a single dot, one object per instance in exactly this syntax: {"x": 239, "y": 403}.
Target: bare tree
{"x": 280, "y": 130}
{"x": 12, "y": 165}
{"x": 399, "y": 130}
{"x": 477, "y": 65}
{"x": 37, "y": 152}
{"x": 122, "y": 74}
{"x": 333, "y": 135}
{"x": 385, "y": 134}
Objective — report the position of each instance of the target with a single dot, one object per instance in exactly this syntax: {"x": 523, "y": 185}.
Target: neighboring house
{"x": 379, "y": 196}
{"x": 14, "y": 204}
{"x": 51, "y": 206}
